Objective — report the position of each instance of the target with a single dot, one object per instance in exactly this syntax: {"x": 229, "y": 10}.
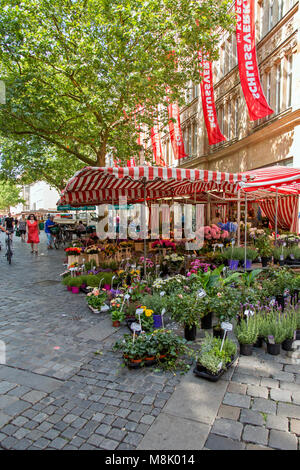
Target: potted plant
{"x": 96, "y": 300}
{"x": 273, "y": 332}
{"x": 289, "y": 322}
{"x": 233, "y": 256}
{"x": 75, "y": 283}
{"x": 247, "y": 334}
{"x": 211, "y": 361}
{"x": 184, "y": 309}
{"x": 155, "y": 303}
{"x": 117, "y": 317}
{"x": 264, "y": 249}
{"x": 251, "y": 256}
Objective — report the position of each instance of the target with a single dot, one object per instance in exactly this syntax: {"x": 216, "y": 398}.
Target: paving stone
{"x": 58, "y": 443}
{"x": 280, "y": 395}
{"x": 229, "y": 412}
{"x": 147, "y": 419}
{"x": 215, "y": 442}
{"x": 116, "y": 434}
{"x": 285, "y": 376}
{"x": 95, "y": 440}
{"x": 34, "y": 396}
{"x": 266, "y": 406}
{"x": 6, "y": 387}
{"x": 4, "y": 418}
{"x": 22, "y": 444}
{"x": 270, "y": 383}
{"x": 16, "y": 408}
{"x": 227, "y": 428}
{"x": 251, "y": 417}
{"x": 9, "y": 429}
{"x": 103, "y": 429}
{"x": 277, "y": 422}
{"x": 42, "y": 443}
{"x": 289, "y": 410}
{"x": 109, "y": 444}
{"x": 294, "y": 368}
{"x": 245, "y": 379}
{"x": 256, "y": 447}
{"x": 289, "y": 386}
{"x": 21, "y": 432}
{"x": 257, "y": 392}
{"x": 255, "y": 434}
{"x": 19, "y": 421}
{"x": 296, "y": 397}
{"x": 235, "y": 387}
{"x": 282, "y": 440}
{"x": 235, "y": 399}
{"x": 295, "y": 426}
{"x": 9, "y": 443}
{"x": 133, "y": 438}
{"x": 40, "y": 417}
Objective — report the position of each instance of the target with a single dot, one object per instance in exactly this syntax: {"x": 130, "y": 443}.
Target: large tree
{"x": 77, "y": 70}
{"x": 9, "y": 195}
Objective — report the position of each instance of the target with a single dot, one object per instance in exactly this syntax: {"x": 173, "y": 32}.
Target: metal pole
{"x": 239, "y": 219}
{"x": 276, "y": 214}
{"x": 246, "y": 209}
{"x": 144, "y": 230}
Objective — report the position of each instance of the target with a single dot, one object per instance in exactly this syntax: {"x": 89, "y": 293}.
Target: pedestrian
{"x": 9, "y": 225}
{"x": 33, "y": 231}
{"x": 48, "y": 224}
{"x": 22, "y": 227}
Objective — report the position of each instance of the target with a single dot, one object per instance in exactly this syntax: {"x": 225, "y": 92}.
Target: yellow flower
{"x": 143, "y": 307}
{"x": 148, "y": 312}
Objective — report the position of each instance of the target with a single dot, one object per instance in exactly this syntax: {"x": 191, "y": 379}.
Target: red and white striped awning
{"x": 102, "y": 185}
{"x": 285, "y": 179}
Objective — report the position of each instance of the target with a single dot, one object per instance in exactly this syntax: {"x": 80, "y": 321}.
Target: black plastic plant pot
{"x": 206, "y": 374}
{"x": 206, "y": 321}
{"x": 273, "y": 349}
{"x": 246, "y": 349}
{"x": 281, "y": 262}
{"x": 298, "y": 335}
{"x": 259, "y": 343}
{"x": 287, "y": 344}
{"x": 218, "y": 332}
{"x": 190, "y": 333}
{"x": 264, "y": 261}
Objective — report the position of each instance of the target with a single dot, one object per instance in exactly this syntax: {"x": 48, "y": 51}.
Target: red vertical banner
{"x": 156, "y": 146}
{"x": 248, "y": 69}
{"x": 175, "y": 132}
{"x": 214, "y": 133}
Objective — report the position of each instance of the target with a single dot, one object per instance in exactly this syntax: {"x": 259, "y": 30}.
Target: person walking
{"x": 22, "y": 227}
{"x": 48, "y": 224}
{"x": 9, "y": 225}
{"x": 33, "y": 231}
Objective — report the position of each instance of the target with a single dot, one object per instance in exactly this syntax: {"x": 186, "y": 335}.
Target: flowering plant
{"x": 73, "y": 251}
{"x": 214, "y": 232}
{"x": 197, "y": 265}
{"x": 92, "y": 249}
{"x": 164, "y": 244}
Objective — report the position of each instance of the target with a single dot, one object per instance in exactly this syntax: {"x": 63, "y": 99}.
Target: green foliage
{"x": 223, "y": 302}
{"x": 247, "y": 332}
{"x": 263, "y": 246}
{"x": 271, "y": 325}
{"x": 9, "y": 195}
{"x": 249, "y": 279}
{"x": 289, "y": 323}
{"x": 117, "y": 315}
{"x": 75, "y": 71}
{"x": 184, "y": 309}
{"x": 154, "y": 302}
{"x": 210, "y": 356}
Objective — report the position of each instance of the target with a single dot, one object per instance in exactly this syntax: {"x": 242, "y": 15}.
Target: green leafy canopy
{"x": 76, "y": 70}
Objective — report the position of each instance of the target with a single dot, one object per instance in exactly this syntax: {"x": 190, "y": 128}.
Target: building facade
{"x": 37, "y": 196}
{"x": 249, "y": 145}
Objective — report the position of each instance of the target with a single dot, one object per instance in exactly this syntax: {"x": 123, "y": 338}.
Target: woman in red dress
{"x": 33, "y": 231}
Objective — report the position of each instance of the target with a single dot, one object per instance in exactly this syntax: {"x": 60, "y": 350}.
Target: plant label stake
{"x": 139, "y": 312}
{"x": 162, "y": 316}
{"x": 135, "y": 327}
{"x": 162, "y": 293}
{"x": 201, "y": 293}
{"x": 112, "y": 280}
{"x": 126, "y": 296}
{"x": 271, "y": 339}
{"x": 226, "y": 326}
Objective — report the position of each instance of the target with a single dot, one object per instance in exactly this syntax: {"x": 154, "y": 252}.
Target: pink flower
{"x": 219, "y": 294}
{"x": 180, "y": 296}
{"x": 189, "y": 274}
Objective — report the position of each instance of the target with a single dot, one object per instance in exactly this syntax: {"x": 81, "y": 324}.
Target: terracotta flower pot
{"x": 116, "y": 323}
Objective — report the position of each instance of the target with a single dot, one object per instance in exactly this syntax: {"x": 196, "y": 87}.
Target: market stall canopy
{"x": 102, "y": 185}
{"x": 285, "y": 179}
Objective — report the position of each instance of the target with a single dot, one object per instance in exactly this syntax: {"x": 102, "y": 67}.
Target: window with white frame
{"x": 268, "y": 86}
{"x": 271, "y": 14}
{"x": 229, "y": 136}
{"x": 289, "y": 80}
{"x": 278, "y": 88}
{"x": 236, "y": 117}
{"x": 195, "y": 140}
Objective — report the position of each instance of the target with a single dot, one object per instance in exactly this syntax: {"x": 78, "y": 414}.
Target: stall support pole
{"x": 276, "y": 216}
{"x": 208, "y": 209}
{"x": 246, "y": 210}
{"x": 144, "y": 231}
{"x": 239, "y": 219}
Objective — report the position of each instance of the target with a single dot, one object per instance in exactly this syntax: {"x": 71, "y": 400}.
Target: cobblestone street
{"x": 56, "y": 393}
